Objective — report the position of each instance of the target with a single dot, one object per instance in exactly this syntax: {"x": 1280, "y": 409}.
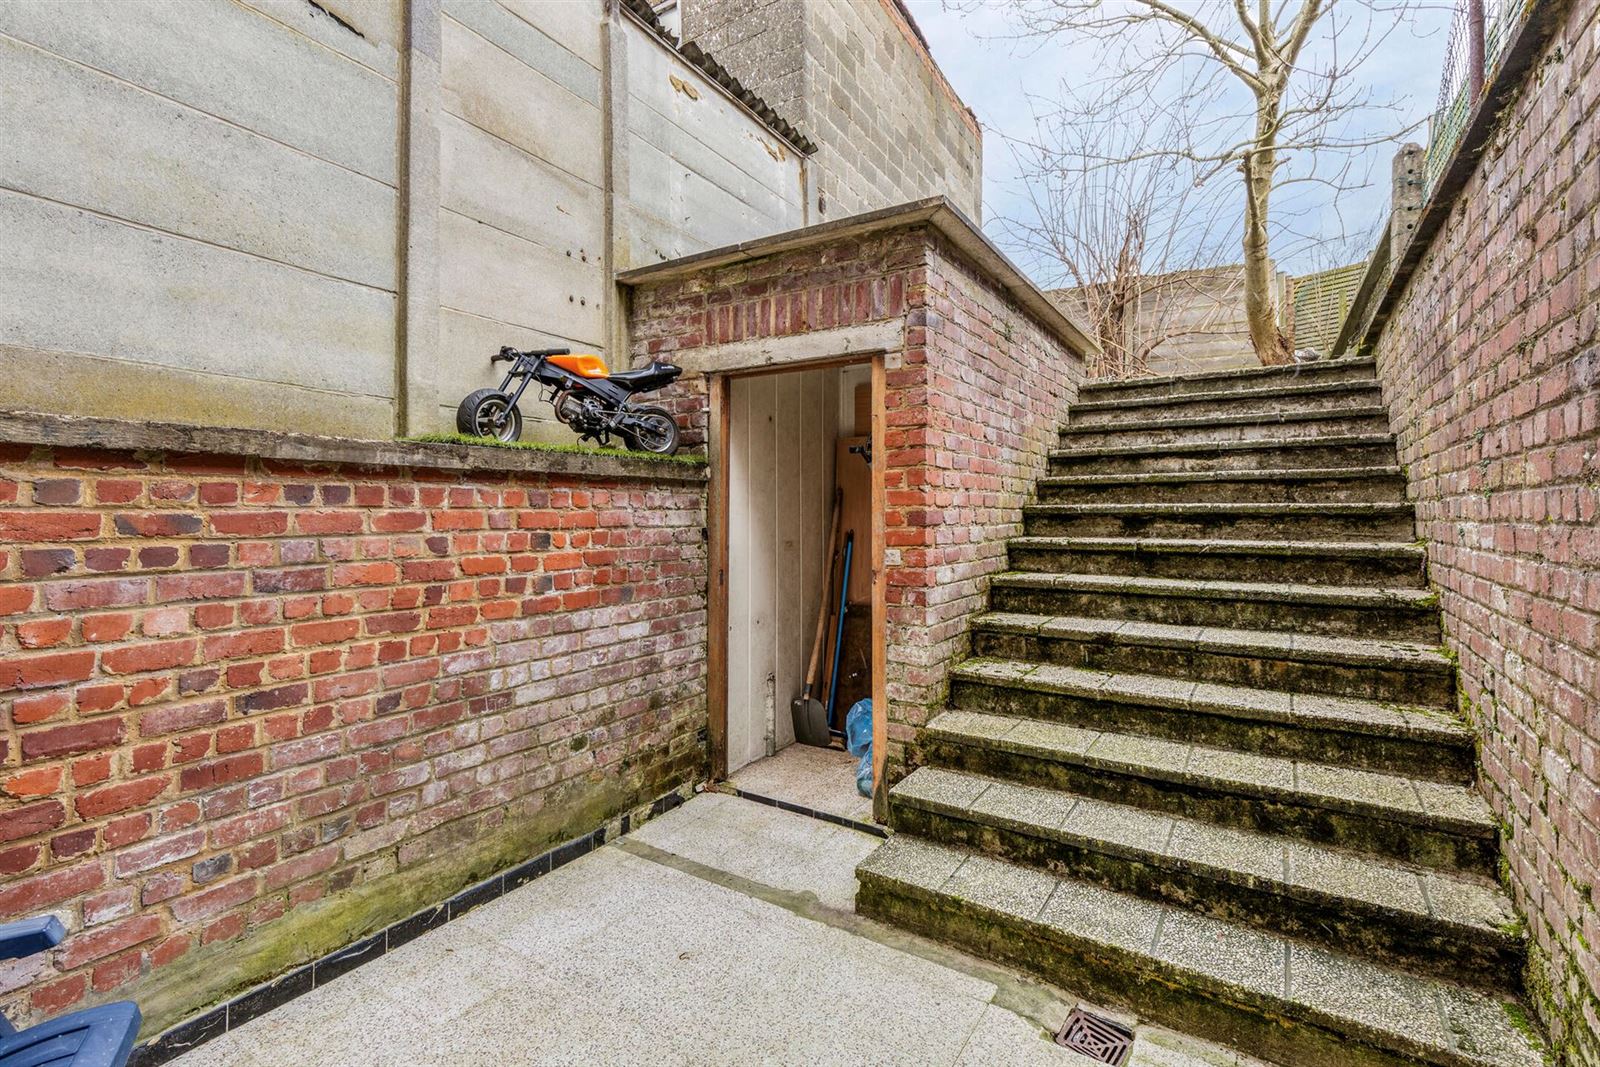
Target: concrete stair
{"x": 1292, "y": 486}
{"x": 1367, "y": 563}
{"x": 1204, "y": 762}
{"x": 1421, "y": 741}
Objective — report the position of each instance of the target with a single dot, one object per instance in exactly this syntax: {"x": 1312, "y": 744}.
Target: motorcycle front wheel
{"x": 489, "y": 413}
{"x": 651, "y": 430}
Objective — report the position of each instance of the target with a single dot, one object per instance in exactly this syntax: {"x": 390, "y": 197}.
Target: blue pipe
{"x": 838, "y": 634}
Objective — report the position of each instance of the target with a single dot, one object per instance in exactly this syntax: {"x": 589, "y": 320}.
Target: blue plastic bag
{"x": 858, "y": 742}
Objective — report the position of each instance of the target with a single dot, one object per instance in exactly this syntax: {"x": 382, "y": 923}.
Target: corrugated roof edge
{"x": 707, "y": 64}
{"x": 936, "y": 211}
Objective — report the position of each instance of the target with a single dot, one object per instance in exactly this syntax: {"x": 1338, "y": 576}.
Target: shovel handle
{"x": 827, "y": 587}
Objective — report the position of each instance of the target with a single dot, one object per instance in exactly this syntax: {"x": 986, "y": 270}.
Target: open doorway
{"x": 797, "y": 545}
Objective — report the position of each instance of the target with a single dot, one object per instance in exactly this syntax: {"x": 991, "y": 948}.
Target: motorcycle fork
{"x": 524, "y": 369}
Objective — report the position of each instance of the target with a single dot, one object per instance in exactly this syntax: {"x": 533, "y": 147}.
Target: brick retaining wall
{"x": 1492, "y": 376}
{"x": 254, "y": 709}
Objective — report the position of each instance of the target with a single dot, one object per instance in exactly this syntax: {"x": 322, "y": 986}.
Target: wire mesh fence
{"x": 1478, "y": 38}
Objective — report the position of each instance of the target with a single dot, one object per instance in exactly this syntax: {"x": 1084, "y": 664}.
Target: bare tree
{"x": 1282, "y": 70}
{"x": 1128, "y": 241}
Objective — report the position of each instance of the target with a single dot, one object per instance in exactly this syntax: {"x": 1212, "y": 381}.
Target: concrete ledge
{"x": 119, "y": 435}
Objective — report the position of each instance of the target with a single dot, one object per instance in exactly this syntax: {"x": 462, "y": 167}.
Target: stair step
{"x": 1358, "y": 520}
{"x": 1359, "y": 369}
{"x": 1291, "y": 485}
{"x": 1439, "y": 923}
{"x": 1271, "y": 996}
{"x": 1394, "y": 614}
{"x": 1251, "y": 426}
{"x": 1432, "y": 824}
{"x": 1401, "y": 672}
{"x": 1347, "y": 450}
{"x": 1273, "y": 398}
{"x": 1425, "y": 742}
{"x": 1392, "y": 564}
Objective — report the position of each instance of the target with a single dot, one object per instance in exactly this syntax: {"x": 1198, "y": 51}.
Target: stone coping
{"x": 121, "y": 435}
{"x": 937, "y": 212}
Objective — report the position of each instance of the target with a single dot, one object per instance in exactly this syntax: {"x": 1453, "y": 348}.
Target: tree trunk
{"x": 1260, "y": 299}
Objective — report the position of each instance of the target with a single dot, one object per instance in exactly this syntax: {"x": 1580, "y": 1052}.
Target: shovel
{"x": 810, "y": 718}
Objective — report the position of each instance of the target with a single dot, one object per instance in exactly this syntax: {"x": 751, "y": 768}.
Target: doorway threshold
{"x": 819, "y": 782}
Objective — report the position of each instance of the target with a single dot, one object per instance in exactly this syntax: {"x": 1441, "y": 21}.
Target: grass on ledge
{"x": 688, "y": 459}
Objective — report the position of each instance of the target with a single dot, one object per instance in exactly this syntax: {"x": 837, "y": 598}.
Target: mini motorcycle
{"x": 595, "y": 403}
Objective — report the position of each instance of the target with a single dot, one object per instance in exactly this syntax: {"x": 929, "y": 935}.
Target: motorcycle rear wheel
{"x": 652, "y": 430}
{"x": 489, "y": 413}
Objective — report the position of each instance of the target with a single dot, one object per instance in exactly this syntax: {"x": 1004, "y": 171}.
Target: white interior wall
{"x": 780, "y": 503}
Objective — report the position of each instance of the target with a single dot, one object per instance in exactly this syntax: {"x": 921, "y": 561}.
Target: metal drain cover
{"x": 1099, "y": 1039}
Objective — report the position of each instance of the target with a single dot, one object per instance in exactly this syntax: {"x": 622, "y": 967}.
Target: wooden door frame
{"x": 718, "y": 387}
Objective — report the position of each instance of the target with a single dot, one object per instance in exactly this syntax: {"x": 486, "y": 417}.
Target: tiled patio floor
{"x": 720, "y": 933}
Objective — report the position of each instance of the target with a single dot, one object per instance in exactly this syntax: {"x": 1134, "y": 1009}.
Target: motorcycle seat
{"x": 654, "y": 376}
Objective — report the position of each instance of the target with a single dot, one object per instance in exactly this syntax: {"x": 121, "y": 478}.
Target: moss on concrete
{"x": 692, "y": 459}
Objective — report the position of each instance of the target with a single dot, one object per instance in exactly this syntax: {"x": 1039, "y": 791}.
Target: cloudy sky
{"x": 996, "y": 74}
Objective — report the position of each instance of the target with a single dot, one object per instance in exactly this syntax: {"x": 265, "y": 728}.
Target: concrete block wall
{"x": 1492, "y": 376}
{"x": 254, "y": 709}
{"x": 865, "y": 88}
{"x": 888, "y": 125}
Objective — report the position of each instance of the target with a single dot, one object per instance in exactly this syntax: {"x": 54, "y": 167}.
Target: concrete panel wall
{"x": 192, "y": 232}
{"x": 701, "y": 172}
{"x": 1186, "y": 322}
{"x": 522, "y": 190}
{"x": 211, "y": 211}
{"x": 525, "y": 182}
{"x": 780, "y": 481}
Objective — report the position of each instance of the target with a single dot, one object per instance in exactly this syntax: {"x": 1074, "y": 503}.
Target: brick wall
{"x": 973, "y": 412}
{"x": 250, "y": 711}
{"x": 1492, "y": 377}
{"x": 973, "y": 402}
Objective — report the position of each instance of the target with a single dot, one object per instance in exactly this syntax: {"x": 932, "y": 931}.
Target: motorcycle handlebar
{"x": 508, "y": 354}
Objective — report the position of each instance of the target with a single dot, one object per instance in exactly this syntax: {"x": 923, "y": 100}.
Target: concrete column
{"x": 417, "y": 386}
{"x": 614, "y": 116}
{"x": 1406, "y": 197}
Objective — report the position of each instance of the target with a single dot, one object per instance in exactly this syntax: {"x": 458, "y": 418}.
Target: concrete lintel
{"x": 841, "y": 342}
{"x": 120, "y": 435}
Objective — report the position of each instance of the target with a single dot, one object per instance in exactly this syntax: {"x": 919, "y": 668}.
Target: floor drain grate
{"x": 1099, "y": 1039}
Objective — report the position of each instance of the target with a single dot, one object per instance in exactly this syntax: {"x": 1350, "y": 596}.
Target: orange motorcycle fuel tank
{"x": 583, "y": 364}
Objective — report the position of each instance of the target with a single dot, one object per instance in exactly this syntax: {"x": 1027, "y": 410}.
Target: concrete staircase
{"x": 1204, "y": 764}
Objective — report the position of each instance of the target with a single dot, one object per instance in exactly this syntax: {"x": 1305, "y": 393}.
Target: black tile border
{"x": 199, "y": 1029}
{"x": 800, "y": 809}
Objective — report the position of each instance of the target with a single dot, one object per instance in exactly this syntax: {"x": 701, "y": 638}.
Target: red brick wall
{"x": 973, "y": 403}
{"x": 973, "y": 411}
{"x": 1492, "y": 378}
{"x": 234, "y": 692}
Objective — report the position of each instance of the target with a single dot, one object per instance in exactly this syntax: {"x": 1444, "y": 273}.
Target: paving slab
{"x": 664, "y": 949}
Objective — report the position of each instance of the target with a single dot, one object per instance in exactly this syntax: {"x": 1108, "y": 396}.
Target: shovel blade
{"x": 810, "y": 721}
